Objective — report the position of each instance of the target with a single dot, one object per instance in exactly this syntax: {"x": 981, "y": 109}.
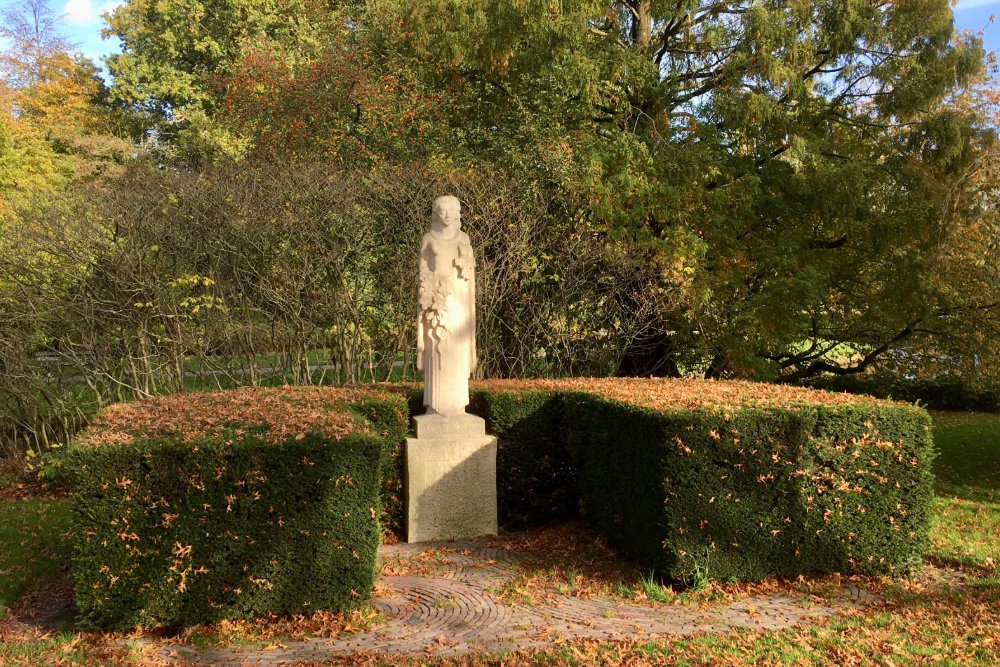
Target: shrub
{"x": 535, "y": 479}
{"x": 744, "y": 480}
{"x": 283, "y": 412}
{"x": 939, "y": 393}
{"x": 202, "y": 507}
{"x": 766, "y": 488}
{"x": 535, "y": 482}
{"x": 693, "y": 479}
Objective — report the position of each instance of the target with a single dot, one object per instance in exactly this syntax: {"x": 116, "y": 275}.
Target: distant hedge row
{"x": 940, "y": 393}
{"x": 200, "y": 507}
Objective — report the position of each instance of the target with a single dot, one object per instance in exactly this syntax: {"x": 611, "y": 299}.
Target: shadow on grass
{"x": 968, "y": 461}
{"x": 35, "y": 536}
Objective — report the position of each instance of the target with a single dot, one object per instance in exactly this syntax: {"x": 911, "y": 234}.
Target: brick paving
{"x": 451, "y": 607}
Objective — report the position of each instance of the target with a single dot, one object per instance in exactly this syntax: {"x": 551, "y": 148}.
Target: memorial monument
{"x": 451, "y": 463}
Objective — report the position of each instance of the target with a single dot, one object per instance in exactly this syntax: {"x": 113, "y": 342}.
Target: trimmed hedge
{"x": 282, "y": 413}
{"x": 755, "y": 493}
{"x": 198, "y": 508}
{"x": 535, "y": 480}
{"x": 184, "y": 533}
{"x": 938, "y": 393}
{"x": 389, "y": 421}
{"x": 732, "y": 480}
{"x": 535, "y": 477}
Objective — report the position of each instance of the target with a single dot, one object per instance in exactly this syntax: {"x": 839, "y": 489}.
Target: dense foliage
{"x": 759, "y": 492}
{"x": 717, "y": 479}
{"x": 275, "y": 415}
{"x": 535, "y": 477}
{"x": 229, "y": 505}
{"x": 936, "y": 393}
{"x": 183, "y": 533}
{"x": 766, "y": 190}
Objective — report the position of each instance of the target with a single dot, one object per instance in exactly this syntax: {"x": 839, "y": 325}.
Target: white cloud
{"x": 80, "y": 12}
{"x": 972, "y": 4}
{"x": 83, "y": 12}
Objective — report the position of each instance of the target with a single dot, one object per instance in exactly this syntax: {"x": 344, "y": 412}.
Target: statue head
{"x": 446, "y": 216}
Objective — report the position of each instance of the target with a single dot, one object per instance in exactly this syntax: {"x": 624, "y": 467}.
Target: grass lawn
{"x": 33, "y": 535}
{"x": 947, "y": 614}
{"x": 966, "y": 529}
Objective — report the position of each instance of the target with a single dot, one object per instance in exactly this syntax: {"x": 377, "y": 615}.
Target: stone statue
{"x": 451, "y": 464}
{"x": 446, "y": 324}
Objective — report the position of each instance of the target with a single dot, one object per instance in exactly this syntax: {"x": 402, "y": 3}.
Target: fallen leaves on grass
{"x": 18, "y": 483}
{"x": 570, "y": 559}
{"x": 272, "y": 628}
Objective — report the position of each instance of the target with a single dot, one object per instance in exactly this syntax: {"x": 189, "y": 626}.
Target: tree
{"x": 55, "y": 136}
{"x": 58, "y": 122}
{"x": 34, "y": 33}
{"x": 28, "y": 164}
{"x": 784, "y": 164}
{"x": 173, "y": 52}
{"x": 337, "y": 105}
{"x": 776, "y": 175}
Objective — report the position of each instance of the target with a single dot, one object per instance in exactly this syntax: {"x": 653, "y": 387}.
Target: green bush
{"x": 725, "y": 480}
{"x": 208, "y": 506}
{"x": 174, "y": 533}
{"x": 202, "y": 507}
{"x": 939, "y": 393}
{"x": 388, "y": 419}
{"x": 755, "y": 492}
{"x": 535, "y": 479}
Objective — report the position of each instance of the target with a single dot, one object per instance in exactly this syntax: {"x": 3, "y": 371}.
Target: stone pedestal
{"x": 451, "y": 479}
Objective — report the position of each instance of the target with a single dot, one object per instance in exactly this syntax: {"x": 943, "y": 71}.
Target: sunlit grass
{"x": 966, "y": 519}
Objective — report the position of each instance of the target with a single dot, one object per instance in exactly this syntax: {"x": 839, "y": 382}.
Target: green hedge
{"x": 939, "y": 393}
{"x": 535, "y": 478}
{"x": 389, "y": 420}
{"x": 202, "y": 507}
{"x": 172, "y": 533}
{"x": 535, "y": 481}
{"x": 692, "y": 480}
{"x": 752, "y": 493}
{"x": 718, "y": 480}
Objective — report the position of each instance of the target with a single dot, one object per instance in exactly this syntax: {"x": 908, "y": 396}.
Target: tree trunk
{"x": 651, "y": 354}
{"x": 642, "y": 22}
{"x": 718, "y": 368}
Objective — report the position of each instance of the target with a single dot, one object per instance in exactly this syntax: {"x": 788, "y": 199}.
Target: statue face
{"x": 447, "y": 216}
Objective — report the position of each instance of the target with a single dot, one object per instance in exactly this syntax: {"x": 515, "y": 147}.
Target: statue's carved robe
{"x": 446, "y": 326}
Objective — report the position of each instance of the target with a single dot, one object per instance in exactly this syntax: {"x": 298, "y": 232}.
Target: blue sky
{"x": 974, "y": 15}
{"x": 83, "y": 23}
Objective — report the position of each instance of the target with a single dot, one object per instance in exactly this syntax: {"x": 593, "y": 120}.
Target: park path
{"x": 451, "y": 606}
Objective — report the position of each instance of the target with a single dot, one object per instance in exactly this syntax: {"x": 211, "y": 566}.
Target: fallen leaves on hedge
{"x": 286, "y": 412}
{"x": 289, "y": 411}
{"x": 686, "y": 394}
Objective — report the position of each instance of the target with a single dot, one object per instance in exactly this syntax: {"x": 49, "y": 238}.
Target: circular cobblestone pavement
{"x": 452, "y": 608}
